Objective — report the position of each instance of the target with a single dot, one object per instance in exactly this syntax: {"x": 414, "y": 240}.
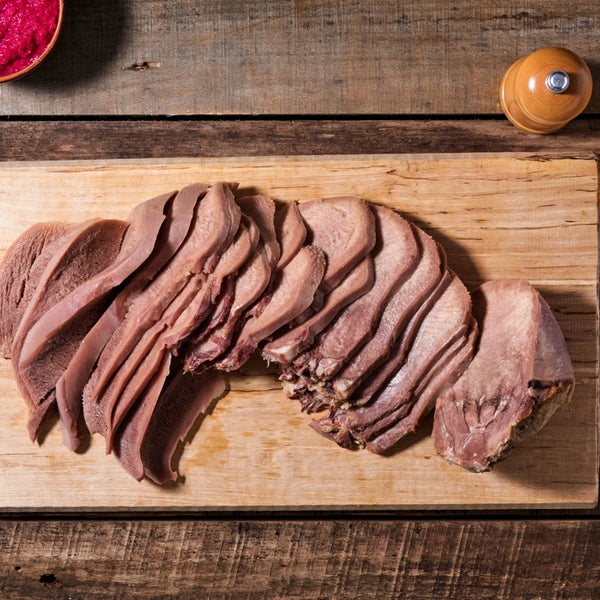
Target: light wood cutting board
{"x": 496, "y": 215}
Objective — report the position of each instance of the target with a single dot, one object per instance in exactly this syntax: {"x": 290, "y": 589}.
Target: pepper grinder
{"x": 542, "y": 92}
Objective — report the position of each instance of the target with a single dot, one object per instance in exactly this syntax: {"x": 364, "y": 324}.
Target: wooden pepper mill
{"x": 542, "y": 92}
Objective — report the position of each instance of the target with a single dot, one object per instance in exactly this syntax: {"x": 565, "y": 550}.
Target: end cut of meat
{"x": 20, "y": 271}
{"x": 520, "y": 375}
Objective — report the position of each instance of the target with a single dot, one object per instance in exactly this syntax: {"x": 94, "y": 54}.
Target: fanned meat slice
{"x": 144, "y": 224}
{"x": 380, "y": 376}
{"x": 20, "y": 270}
{"x": 261, "y": 209}
{"x": 69, "y": 388}
{"x": 290, "y": 231}
{"x": 85, "y": 250}
{"x": 520, "y": 375}
{"x": 179, "y": 321}
{"x": 284, "y": 348}
{"x": 395, "y": 257}
{"x": 182, "y": 402}
{"x": 449, "y": 321}
{"x": 250, "y": 284}
{"x": 216, "y": 220}
{"x": 293, "y": 293}
{"x": 344, "y": 229}
{"x": 441, "y": 377}
{"x": 131, "y": 433}
{"x": 399, "y": 310}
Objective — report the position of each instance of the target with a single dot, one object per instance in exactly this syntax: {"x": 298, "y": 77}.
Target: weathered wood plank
{"x": 414, "y": 559}
{"x": 113, "y": 139}
{"x": 312, "y": 57}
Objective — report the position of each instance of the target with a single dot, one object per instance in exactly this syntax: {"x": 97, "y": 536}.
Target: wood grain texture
{"x": 496, "y": 215}
{"x": 412, "y": 559}
{"x": 309, "y": 57}
{"x": 113, "y": 139}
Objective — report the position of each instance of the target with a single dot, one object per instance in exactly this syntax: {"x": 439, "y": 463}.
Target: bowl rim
{"x": 31, "y": 66}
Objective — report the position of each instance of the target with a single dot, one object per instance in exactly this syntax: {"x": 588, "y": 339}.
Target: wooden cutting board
{"x": 496, "y": 215}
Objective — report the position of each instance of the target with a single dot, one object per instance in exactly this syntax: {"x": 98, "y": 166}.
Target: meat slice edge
{"x": 84, "y": 251}
{"x": 285, "y": 347}
{"x": 21, "y": 267}
{"x": 344, "y": 229}
{"x": 70, "y": 386}
{"x": 293, "y": 292}
{"x": 182, "y": 402}
{"x": 290, "y": 231}
{"x": 520, "y": 376}
{"x": 216, "y": 220}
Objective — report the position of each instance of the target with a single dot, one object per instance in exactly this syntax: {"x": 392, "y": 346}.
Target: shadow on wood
{"x": 92, "y": 34}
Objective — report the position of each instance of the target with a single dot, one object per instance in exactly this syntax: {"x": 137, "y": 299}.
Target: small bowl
{"x": 38, "y": 59}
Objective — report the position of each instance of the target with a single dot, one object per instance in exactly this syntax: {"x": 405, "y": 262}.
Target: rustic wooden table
{"x": 160, "y": 79}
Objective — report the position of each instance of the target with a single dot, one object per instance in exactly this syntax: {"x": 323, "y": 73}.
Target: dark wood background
{"x": 160, "y": 78}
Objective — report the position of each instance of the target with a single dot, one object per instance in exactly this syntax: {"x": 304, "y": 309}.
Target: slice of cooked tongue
{"x": 185, "y": 398}
{"x": 290, "y": 230}
{"x": 344, "y": 229}
{"x": 284, "y": 348}
{"x": 84, "y": 251}
{"x": 293, "y": 292}
{"x": 216, "y": 220}
{"x": 452, "y": 364}
{"x": 144, "y": 224}
{"x": 250, "y": 283}
{"x": 20, "y": 271}
{"x": 520, "y": 375}
{"x": 261, "y": 209}
{"x": 69, "y": 388}
{"x": 447, "y": 325}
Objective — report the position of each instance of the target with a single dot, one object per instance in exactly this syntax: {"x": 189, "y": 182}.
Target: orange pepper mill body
{"x": 542, "y": 92}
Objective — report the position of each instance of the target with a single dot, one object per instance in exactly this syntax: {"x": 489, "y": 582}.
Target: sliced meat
{"x": 399, "y": 310}
{"x": 247, "y": 285}
{"x": 216, "y": 220}
{"x": 290, "y": 231}
{"x": 139, "y": 240}
{"x": 69, "y": 387}
{"x": 284, "y": 348}
{"x": 144, "y": 373}
{"x": 179, "y": 321}
{"x": 131, "y": 433}
{"x": 394, "y": 258}
{"x": 448, "y": 322}
{"x": 442, "y": 376}
{"x": 181, "y": 403}
{"x": 20, "y": 270}
{"x": 293, "y": 292}
{"x": 261, "y": 210}
{"x": 520, "y": 375}
{"x": 344, "y": 229}
{"x": 84, "y": 251}
{"x": 250, "y": 284}
{"x": 380, "y": 376}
